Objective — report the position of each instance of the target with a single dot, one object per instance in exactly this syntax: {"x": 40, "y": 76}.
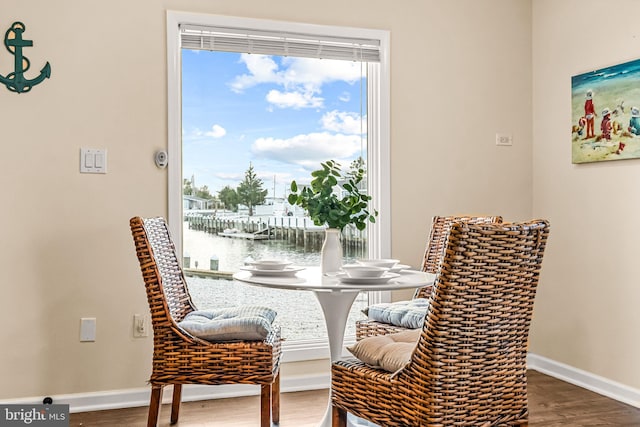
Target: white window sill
{"x": 300, "y": 351}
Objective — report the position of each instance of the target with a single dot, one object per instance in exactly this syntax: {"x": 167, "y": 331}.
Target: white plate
{"x": 399, "y": 267}
{"x": 270, "y": 264}
{"x": 386, "y": 262}
{"x": 285, "y": 272}
{"x": 344, "y": 278}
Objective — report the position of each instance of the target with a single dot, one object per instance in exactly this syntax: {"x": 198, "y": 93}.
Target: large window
{"x": 253, "y": 105}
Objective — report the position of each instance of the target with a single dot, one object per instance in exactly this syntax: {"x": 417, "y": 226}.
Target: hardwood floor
{"x": 551, "y": 403}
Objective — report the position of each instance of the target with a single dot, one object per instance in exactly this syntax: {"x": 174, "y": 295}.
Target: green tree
{"x": 203, "y": 192}
{"x": 356, "y": 166}
{"x": 186, "y": 187}
{"x": 250, "y": 192}
{"x": 229, "y": 198}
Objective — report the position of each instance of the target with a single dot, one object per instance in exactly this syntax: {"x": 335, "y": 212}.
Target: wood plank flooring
{"x": 551, "y": 403}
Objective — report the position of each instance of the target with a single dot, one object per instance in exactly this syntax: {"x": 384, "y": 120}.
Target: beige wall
{"x": 461, "y": 71}
{"x": 587, "y": 309}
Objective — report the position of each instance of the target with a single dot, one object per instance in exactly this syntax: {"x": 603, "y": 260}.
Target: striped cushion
{"x": 245, "y": 323}
{"x": 408, "y": 314}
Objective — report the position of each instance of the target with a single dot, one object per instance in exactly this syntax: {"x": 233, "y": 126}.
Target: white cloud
{"x": 316, "y": 72}
{"x": 294, "y": 71}
{"x": 295, "y": 100}
{"x": 262, "y": 69}
{"x": 216, "y": 131}
{"x": 308, "y": 150}
{"x": 301, "y": 78}
{"x": 203, "y": 138}
{"x": 344, "y": 122}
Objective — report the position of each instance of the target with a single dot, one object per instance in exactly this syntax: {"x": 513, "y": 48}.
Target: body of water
{"x": 299, "y": 313}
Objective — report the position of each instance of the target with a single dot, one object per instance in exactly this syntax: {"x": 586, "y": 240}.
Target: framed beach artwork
{"x": 605, "y": 113}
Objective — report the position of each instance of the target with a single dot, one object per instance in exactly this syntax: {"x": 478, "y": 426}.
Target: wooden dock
{"x": 299, "y": 231}
{"x": 214, "y": 274}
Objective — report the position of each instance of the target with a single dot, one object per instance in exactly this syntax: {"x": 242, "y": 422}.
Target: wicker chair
{"x": 180, "y": 358}
{"x": 469, "y": 365}
{"x": 432, "y": 257}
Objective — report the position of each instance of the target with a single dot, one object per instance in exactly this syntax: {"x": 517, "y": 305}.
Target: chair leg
{"x": 175, "y": 403}
{"x": 265, "y": 405}
{"x": 275, "y": 400}
{"x": 154, "y": 405}
{"x": 339, "y": 418}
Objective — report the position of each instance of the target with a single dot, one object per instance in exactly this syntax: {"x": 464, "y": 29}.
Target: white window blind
{"x": 279, "y": 43}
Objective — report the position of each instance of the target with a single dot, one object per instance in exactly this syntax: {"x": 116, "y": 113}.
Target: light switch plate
{"x": 93, "y": 160}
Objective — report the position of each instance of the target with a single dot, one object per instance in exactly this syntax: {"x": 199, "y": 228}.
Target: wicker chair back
{"x": 469, "y": 365}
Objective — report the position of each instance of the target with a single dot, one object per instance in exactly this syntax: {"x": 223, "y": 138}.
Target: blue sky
{"x": 284, "y": 115}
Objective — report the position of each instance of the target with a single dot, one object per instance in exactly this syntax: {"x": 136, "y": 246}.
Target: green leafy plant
{"x": 325, "y": 205}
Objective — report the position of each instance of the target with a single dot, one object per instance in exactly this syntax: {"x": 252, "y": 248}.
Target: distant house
{"x": 193, "y": 202}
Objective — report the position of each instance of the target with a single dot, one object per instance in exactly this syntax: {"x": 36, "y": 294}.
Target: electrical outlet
{"x": 140, "y": 325}
{"x": 503, "y": 139}
{"x": 87, "y": 329}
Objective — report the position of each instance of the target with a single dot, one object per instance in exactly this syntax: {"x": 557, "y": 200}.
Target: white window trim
{"x": 378, "y": 163}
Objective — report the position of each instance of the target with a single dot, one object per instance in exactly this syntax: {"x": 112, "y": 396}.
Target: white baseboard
{"x": 129, "y": 398}
{"x": 584, "y": 379}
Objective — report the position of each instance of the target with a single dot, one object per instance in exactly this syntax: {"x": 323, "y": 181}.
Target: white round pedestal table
{"x": 335, "y": 299}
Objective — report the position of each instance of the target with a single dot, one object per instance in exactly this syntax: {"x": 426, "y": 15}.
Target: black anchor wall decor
{"x": 15, "y": 81}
